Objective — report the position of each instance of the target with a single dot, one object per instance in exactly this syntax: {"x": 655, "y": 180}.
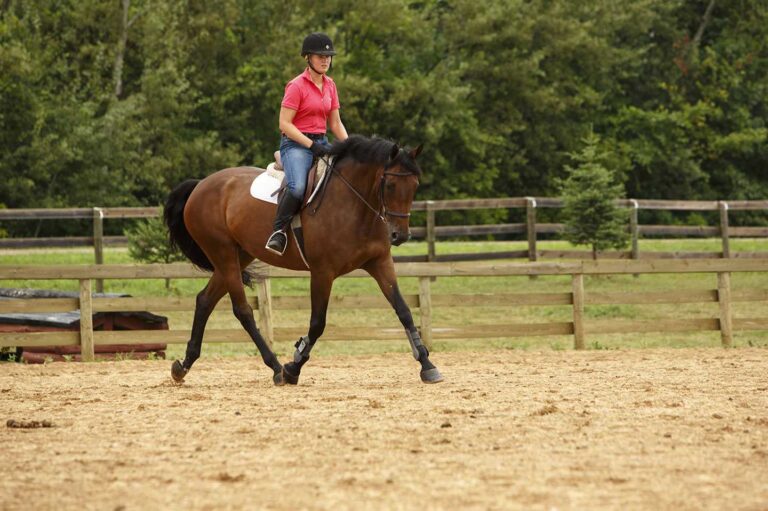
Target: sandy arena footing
{"x": 643, "y": 429}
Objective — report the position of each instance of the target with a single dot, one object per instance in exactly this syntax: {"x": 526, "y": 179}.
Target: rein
{"x": 382, "y": 212}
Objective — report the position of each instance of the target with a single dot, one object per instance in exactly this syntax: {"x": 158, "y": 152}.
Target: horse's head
{"x": 399, "y": 181}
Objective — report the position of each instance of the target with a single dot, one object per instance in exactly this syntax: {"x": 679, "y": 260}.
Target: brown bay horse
{"x": 365, "y": 209}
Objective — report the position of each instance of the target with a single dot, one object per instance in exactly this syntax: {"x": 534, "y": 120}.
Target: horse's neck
{"x": 365, "y": 182}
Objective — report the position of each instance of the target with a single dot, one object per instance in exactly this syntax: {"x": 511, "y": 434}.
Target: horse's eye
{"x": 390, "y": 187}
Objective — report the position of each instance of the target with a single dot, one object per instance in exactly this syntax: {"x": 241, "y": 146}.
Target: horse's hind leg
{"x": 383, "y": 271}
{"x": 204, "y": 304}
{"x": 244, "y": 313}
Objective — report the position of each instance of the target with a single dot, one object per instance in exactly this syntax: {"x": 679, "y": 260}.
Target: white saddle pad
{"x": 265, "y": 185}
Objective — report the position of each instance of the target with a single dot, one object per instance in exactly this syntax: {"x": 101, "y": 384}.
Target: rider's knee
{"x": 298, "y": 191}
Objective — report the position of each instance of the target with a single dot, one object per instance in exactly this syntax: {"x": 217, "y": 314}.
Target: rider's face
{"x": 321, "y": 63}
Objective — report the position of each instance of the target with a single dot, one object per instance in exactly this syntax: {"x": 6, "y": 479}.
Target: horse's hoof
{"x": 178, "y": 372}
{"x": 431, "y": 376}
{"x": 289, "y": 379}
{"x": 278, "y": 378}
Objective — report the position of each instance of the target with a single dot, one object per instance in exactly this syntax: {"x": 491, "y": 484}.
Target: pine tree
{"x": 589, "y": 194}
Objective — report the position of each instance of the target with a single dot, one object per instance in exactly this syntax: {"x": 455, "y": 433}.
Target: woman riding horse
{"x": 309, "y": 104}
{"x": 363, "y": 210}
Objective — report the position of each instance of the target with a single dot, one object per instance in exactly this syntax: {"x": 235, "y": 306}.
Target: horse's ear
{"x": 395, "y": 151}
{"x": 416, "y": 152}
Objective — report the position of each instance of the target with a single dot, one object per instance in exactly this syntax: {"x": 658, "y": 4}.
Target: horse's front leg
{"x": 321, "y": 285}
{"x": 384, "y": 273}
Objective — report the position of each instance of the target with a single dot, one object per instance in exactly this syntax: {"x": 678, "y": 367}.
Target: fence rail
{"x": 424, "y": 302}
{"x": 431, "y": 232}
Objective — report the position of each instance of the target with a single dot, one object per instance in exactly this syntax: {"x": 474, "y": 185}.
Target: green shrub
{"x": 148, "y": 243}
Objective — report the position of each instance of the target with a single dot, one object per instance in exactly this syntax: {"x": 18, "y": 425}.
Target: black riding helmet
{"x": 317, "y": 43}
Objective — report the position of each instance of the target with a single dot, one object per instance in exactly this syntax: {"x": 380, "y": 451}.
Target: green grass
{"x": 458, "y": 316}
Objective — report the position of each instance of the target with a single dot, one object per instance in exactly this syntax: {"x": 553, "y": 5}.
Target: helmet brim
{"x": 329, "y": 53}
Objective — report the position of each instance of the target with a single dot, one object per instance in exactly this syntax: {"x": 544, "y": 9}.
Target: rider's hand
{"x": 318, "y": 149}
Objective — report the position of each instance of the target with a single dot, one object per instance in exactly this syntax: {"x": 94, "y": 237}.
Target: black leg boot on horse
{"x": 287, "y": 206}
{"x": 290, "y": 375}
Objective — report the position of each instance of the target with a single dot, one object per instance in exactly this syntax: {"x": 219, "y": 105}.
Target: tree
{"x": 589, "y": 195}
{"x": 111, "y": 103}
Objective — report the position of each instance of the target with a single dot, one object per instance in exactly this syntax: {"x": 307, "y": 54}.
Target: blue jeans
{"x": 297, "y": 161}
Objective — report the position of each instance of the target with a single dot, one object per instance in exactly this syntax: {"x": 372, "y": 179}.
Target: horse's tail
{"x": 178, "y": 235}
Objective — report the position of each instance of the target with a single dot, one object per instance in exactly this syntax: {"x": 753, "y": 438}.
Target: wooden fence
{"x": 531, "y": 228}
{"x": 424, "y": 303}
{"x": 431, "y": 232}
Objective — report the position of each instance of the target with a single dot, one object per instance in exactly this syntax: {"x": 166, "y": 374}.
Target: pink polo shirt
{"x": 312, "y": 106}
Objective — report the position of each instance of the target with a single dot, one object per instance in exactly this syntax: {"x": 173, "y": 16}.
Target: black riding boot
{"x": 287, "y": 206}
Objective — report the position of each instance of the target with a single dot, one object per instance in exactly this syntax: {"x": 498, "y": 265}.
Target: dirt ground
{"x": 643, "y": 429}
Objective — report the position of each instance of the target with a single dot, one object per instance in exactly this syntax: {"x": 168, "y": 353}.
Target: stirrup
{"x": 274, "y": 243}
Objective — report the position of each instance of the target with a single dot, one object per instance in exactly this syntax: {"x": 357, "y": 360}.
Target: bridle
{"x": 383, "y": 212}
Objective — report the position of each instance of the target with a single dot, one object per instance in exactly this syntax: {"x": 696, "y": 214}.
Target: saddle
{"x": 277, "y": 164}
{"x": 314, "y": 178}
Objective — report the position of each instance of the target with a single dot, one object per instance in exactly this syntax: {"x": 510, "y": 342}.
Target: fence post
{"x": 425, "y": 311}
{"x": 634, "y": 230}
{"x": 530, "y": 221}
{"x": 98, "y": 243}
{"x": 724, "y": 228}
{"x": 726, "y": 315}
{"x": 430, "y": 230}
{"x": 86, "y": 321}
{"x": 578, "y": 310}
{"x": 264, "y": 290}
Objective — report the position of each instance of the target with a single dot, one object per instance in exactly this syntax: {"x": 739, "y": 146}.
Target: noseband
{"x": 382, "y": 212}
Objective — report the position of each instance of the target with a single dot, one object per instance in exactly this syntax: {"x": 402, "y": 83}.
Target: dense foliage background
{"x": 112, "y": 102}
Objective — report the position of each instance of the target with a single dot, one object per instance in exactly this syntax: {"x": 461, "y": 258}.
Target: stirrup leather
{"x": 274, "y": 242}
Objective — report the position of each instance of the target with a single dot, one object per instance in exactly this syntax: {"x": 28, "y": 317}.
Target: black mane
{"x": 374, "y": 151}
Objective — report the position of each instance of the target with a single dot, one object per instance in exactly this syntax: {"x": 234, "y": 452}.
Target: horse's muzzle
{"x": 398, "y": 238}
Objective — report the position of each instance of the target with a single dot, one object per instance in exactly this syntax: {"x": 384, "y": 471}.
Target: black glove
{"x": 318, "y": 149}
